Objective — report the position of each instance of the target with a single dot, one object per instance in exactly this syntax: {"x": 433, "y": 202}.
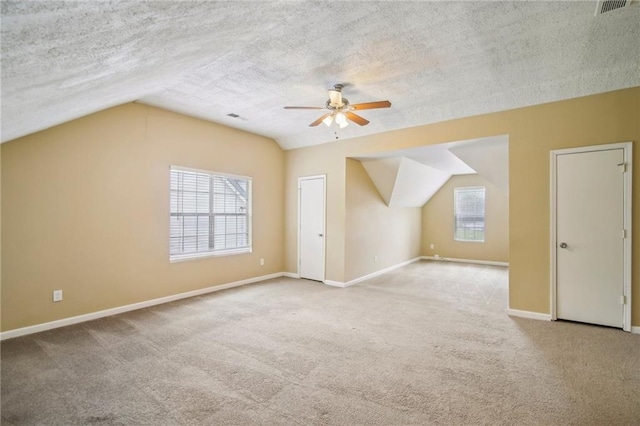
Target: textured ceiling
{"x": 433, "y": 60}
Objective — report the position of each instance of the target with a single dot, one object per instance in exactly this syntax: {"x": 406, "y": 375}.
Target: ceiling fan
{"x": 340, "y": 110}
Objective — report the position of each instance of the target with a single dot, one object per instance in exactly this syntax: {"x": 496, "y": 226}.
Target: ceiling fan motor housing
{"x": 335, "y": 97}
{"x": 344, "y": 103}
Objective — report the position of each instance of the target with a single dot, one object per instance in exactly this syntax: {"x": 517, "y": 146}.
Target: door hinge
{"x": 623, "y": 300}
{"x": 623, "y": 167}
{"x": 624, "y": 234}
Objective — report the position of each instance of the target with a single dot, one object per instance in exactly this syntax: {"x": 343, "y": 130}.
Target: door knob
{"x": 563, "y": 245}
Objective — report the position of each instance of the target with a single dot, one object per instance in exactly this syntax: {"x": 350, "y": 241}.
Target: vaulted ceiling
{"x": 433, "y": 60}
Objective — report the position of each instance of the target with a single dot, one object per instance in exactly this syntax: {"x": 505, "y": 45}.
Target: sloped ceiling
{"x": 434, "y": 60}
{"x": 489, "y": 157}
{"x": 410, "y": 177}
{"x": 383, "y": 174}
{"x": 416, "y": 184}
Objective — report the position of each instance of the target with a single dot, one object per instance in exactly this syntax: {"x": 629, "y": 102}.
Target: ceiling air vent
{"x": 609, "y": 5}
{"x": 234, "y": 115}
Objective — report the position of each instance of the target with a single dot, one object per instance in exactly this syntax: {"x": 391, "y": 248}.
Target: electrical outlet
{"x": 375, "y": 259}
{"x": 436, "y": 256}
{"x": 261, "y": 262}
{"x": 57, "y": 295}
{"x": 433, "y": 246}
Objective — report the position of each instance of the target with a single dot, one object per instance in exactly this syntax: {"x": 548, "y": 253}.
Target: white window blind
{"x": 469, "y": 214}
{"x": 210, "y": 214}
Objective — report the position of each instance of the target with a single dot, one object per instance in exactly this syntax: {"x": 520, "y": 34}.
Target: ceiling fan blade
{"x": 319, "y": 120}
{"x": 356, "y": 118}
{"x": 296, "y": 107}
{"x": 371, "y": 105}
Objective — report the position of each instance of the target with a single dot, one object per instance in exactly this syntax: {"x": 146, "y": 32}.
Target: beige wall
{"x": 377, "y": 236}
{"x": 85, "y": 204}
{"x": 437, "y": 223}
{"x": 85, "y": 209}
{"x": 322, "y": 159}
{"x": 533, "y": 132}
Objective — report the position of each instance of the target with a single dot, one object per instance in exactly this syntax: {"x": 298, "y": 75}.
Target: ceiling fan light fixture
{"x": 341, "y": 120}
{"x": 341, "y": 111}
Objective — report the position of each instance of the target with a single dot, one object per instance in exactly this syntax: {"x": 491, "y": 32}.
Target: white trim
{"x": 126, "y": 308}
{"x": 335, "y": 283}
{"x": 552, "y": 235}
{"x": 627, "y": 148}
{"x": 635, "y": 330}
{"x": 209, "y": 172}
{"x": 324, "y": 221}
{"x": 183, "y": 257}
{"x": 382, "y": 271}
{"x": 290, "y": 275}
{"x": 528, "y": 314}
{"x": 371, "y": 275}
{"x": 455, "y": 209}
{"x": 205, "y": 254}
{"x": 628, "y": 221}
{"x": 592, "y": 148}
{"x": 477, "y": 262}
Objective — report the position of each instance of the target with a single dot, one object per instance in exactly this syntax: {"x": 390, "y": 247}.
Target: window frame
{"x": 173, "y": 258}
{"x": 484, "y": 213}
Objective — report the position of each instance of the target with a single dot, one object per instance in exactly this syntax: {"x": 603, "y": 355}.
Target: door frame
{"x": 627, "y": 148}
{"x": 324, "y": 221}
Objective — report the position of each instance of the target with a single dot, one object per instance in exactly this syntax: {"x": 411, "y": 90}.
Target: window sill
{"x": 195, "y": 256}
{"x": 469, "y": 241}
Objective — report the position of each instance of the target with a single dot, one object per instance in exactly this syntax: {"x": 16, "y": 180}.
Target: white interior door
{"x": 312, "y": 228}
{"x": 590, "y": 221}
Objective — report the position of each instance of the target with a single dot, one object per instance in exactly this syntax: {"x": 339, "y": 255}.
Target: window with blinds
{"x": 468, "y": 214}
{"x": 210, "y": 214}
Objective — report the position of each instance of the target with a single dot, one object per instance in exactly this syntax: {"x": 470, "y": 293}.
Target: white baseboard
{"x": 477, "y": 262}
{"x": 371, "y": 275}
{"x": 290, "y": 275}
{"x": 528, "y": 314}
{"x": 547, "y": 317}
{"x": 335, "y": 283}
{"x": 126, "y": 308}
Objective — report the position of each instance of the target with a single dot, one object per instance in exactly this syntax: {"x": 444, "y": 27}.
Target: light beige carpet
{"x": 427, "y": 344}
